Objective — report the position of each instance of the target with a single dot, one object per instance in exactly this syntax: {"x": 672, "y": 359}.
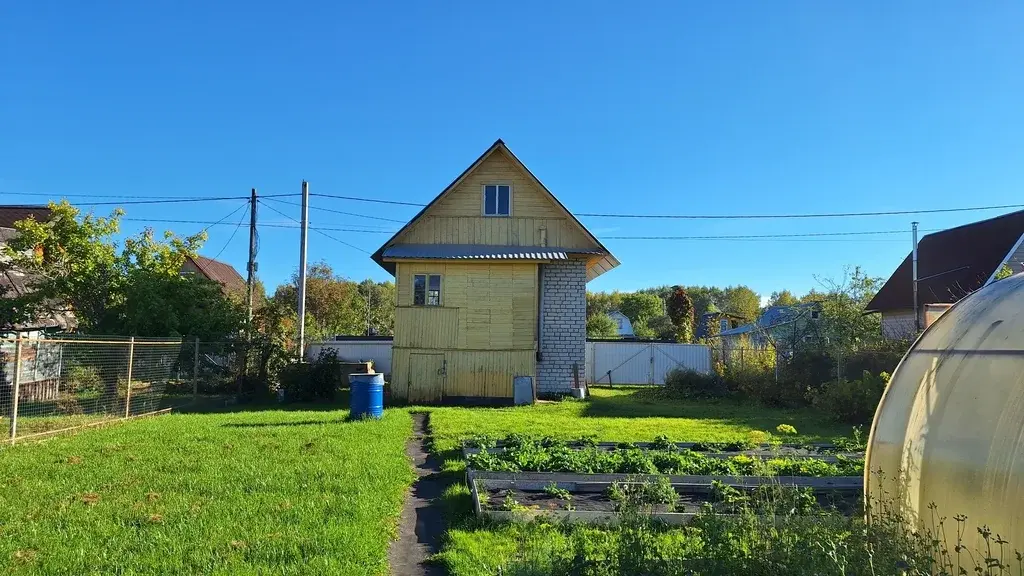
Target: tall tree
{"x": 783, "y": 298}
{"x": 680, "y": 310}
{"x": 603, "y": 302}
{"x": 639, "y": 307}
{"x": 741, "y": 301}
{"x": 139, "y": 290}
{"x": 601, "y": 326}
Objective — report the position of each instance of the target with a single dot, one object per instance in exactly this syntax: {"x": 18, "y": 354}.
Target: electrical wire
{"x": 233, "y": 232}
{"x": 354, "y": 247}
{"x": 262, "y": 224}
{"x": 791, "y": 216}
{"x": 144, "y": 199}
{"x": 357, "y": 199}
{"x": 727, "y": 216}
{"x": 759, "y": 236}
{"x": 321, "y": 208}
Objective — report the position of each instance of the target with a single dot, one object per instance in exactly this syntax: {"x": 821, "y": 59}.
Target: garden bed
{"x": 530, "y": 455}
{"x": 598, "y": 498}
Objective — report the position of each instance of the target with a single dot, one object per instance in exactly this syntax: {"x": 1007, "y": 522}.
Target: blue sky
{"x": 674, "y": 107}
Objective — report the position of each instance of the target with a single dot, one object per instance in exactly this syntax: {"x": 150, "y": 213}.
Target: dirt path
{"x": 422, "y": 522}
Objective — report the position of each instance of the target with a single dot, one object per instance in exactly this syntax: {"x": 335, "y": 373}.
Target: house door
{"x": 426, "y": 377}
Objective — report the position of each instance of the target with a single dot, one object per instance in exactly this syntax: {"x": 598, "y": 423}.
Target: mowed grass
{"x": 260, "y": 492}
{"x": 628, "y": 415}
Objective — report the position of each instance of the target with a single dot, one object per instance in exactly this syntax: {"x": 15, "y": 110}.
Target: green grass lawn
{"x": 628, "y": 415}
{"x": 258, "y": 492}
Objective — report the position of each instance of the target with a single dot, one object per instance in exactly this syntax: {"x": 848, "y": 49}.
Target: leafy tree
{"x": 783, "y": 298}
{"x": 680, "y": 310}
{"x": 638, "y": 307}
{"x": 741, "y": 301}
{"x": 601, "y": 326}
{"x": 705, "y": 299}
{"x": 335, "y": 305}
{"x": 603, "y": 302}
{"x": 137, "y": 291}
{"x": 842, "y": 311}
{"x": 662, "y": 328}
{"x": 1004, "y": 272}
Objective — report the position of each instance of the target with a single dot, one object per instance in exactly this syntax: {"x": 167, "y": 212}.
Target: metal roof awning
{"x": 479, "y": 252}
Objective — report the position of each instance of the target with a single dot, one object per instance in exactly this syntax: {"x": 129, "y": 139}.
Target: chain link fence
{"x": 49, "y": 385}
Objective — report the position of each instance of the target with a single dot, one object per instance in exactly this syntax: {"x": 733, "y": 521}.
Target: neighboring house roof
{"x": 597, "y": 268}
{"x": 11, "y": 214}
{"x": 951, "y": 264}
{"x": 220, "y": 272}
{"x": 772, "y": 317}
{"x": 480, "y": 252}
{"x": 703, "y": 325}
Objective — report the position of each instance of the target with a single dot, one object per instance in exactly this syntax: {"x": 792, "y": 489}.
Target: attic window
{"x": 815, "y": 314}
{"x": 497, "y": 199}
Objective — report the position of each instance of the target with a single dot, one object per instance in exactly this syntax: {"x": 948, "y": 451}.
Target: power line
{"x": 759, "y": 236}
{"x": 243, "y": 205}
{"x": 375, "y": 200}
{"x": 262, "y": 224}
{"x": 233, "y": 232}
{"x": 790, "y": 216}
{"x": 150, "y": 199}
{"x": 317, "y": 230}
{"x": 345, "y": 213}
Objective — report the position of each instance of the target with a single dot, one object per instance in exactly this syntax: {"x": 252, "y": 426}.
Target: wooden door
{"x": 426, "y": 377}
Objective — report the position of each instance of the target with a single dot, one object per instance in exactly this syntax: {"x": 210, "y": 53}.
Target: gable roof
{"x": 11, "y": 214}
{"x": 774, "y": 316}
{"x": 220, "y": 272}
{"x": 602, "y": 265}
{"x": 951, "y": 264}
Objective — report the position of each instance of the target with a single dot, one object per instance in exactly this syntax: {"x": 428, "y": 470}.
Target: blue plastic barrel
{"x": 367, "y": 399}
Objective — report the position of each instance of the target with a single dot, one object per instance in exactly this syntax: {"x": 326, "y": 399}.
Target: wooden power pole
{"x": 250, "y": 278}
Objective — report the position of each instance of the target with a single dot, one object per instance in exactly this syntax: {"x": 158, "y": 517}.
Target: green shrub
{"x": 681, "y": 383}
{"x": 83, "y": 379}
{"x": 316, "y": 381}
{"x": 851, "y": 401}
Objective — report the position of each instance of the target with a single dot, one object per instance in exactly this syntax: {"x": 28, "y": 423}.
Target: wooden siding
{"x": 426, "y": 326}
{"x": 496, "y": 306}
{"x": 458, "y": 217}
{"x": 486, "y": 328}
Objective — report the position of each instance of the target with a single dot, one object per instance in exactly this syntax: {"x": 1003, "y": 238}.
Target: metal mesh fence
{"x": 54, "y": 384}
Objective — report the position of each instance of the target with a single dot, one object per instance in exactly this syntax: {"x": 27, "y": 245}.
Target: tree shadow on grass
{"x": 646, "y": 404}
{"x": 226, "y": 404}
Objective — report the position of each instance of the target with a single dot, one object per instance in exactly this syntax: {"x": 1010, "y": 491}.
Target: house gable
{"x": 536, "y": 218}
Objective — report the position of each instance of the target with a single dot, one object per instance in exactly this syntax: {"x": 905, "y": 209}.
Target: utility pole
{"x": 250, "y": 278}
{"x": 917, "y": 313}
{"x": 302, "y": 269}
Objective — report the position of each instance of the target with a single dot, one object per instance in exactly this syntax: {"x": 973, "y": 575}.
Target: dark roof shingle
{"x": 951, "y": 264}
{"x": 224, "y": 274}
{"x": 11, "y": 214}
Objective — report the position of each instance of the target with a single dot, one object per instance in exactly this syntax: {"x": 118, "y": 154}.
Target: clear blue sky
{"x": 678, "y": 107}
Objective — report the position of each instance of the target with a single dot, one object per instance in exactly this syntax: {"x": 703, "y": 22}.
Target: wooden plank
{"x": 544, "y": 478}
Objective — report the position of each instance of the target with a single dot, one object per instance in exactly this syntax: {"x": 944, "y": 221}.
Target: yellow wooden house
{"x": 491, "y": 286}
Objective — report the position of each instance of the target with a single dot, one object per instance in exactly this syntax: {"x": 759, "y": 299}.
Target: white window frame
{"x": 426, "y": 289}
{"x": 483, "y": 199}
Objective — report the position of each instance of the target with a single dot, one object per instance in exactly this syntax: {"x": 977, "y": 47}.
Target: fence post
{"x": 16, "y": 384}
{"x": 128, "y": 393}
{"x": 195, "y": 372}
{"x": 650, "y": 365}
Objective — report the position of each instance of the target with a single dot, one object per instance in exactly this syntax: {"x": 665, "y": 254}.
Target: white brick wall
{"x": 563, "y": 332}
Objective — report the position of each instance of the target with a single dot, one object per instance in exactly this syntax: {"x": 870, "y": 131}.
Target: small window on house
{"x": 426, "y": 290}
{"x": 497, "y": 199}
{"x": 815, "y": 314}
{"x": 723, "y": 324}
{"x": 619, "y": 320}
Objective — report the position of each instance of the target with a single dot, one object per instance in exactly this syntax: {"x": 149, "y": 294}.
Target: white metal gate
{"x": 642, "y": 362}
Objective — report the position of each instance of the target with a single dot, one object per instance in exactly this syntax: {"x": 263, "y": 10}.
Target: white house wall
{"x": 357, "y": 351}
